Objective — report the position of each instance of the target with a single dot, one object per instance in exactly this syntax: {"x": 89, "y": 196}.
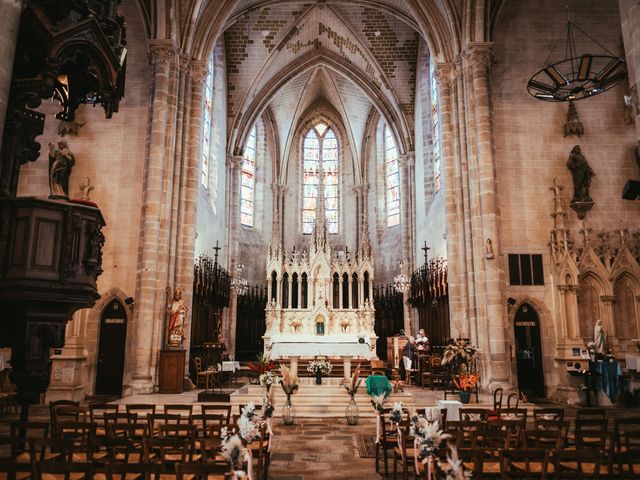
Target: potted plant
{"x": 319, "y": 368}
{"x": 466, "y": 382}
{"x": 459, "y": 352}
{"x": 289, "y": 384}
{"x": 351, "y": 387}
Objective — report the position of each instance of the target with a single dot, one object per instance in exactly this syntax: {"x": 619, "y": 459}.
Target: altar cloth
{"x": 315, "y": 348}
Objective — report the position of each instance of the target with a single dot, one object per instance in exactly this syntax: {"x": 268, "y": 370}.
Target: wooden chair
{"x": 223, "y": 409}
{"x": 49, "y": 450}
{"x": 66, "y": 470}
{"x": 167, "y": 451}
{"x": 550, "y": 439}
{"x": 497, "y": 399}
{"x": 545, "y": 414}
{"x": 133, "y": 471}
{"x": 515, "y": 398}
{"x": 590, "y": 432}
{"x": 155, "y": 420}
{"x": 403, "y": 452}
{"x": 515, "y": 414}
{"x": 580, "y": 464}
{"x": 203, "y": 471}
{"x": 97, "y": 412}
{"x": 204, "y": 377}
{"x": 435, "y": 376}
{"x": 20, "y": 432}
{"x": 52, "y": 408}
{"x": 260, "y": 454}
{"x": 185, "y": 412}
{"x": 514, "y": 427}
{"x": 529, "y": 463}
{"x": 624, "y": 465}
{"x": 591, "y": 412}
{"x": 474, "y": 414}
{"x": 212, "y": 423}
{"x": 142, "y": 410}
{"x": 178, "y": 431}
{"x": 387, "y": 442}
{"x": 620, "y": 427}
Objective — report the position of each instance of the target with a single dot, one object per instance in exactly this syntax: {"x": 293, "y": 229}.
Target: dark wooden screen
{"x": 389, "y": 316}
{"x": 251, "y": 323}
{"x": 430, "y": 296}
{"x": 211, "y": 292}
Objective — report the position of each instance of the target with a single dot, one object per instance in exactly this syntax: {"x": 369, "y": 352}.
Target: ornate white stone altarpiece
{"x": 320, "y": 300}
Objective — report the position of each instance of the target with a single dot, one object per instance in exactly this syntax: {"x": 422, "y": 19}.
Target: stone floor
{"x": 320, "y": 449}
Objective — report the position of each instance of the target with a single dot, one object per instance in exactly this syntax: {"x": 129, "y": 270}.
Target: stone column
{"x": 406, "y": 162}
{"x": 147, "y": 312}
{"x": 235, "y": 168}
{"x": 192, "y": 154}
{"x": 452, "y": 204}
{"x": 10, "y": 12}
{"x": 498, "y": 361}
{"x": 340, "y": 305}
{"x": 630, "y": 19}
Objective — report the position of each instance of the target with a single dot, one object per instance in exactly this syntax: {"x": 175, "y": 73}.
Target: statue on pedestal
{"x": 61, "y": 161}
{"x": 177, "y": 313}
{"x": 582, "y": 174}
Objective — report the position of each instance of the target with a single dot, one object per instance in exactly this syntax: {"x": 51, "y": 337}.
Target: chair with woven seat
{"x": 620, "y": 428}
{"x": 138, "y": 471}
{"x": 20, "y": 432}
{"x": 590, "y": 432}
{"x": 52, "y": 408}
{"x": 403, "y": 452}
{"x": 167, "y": 451}
{"x": 387, "y": 442}
{"x": 222, "y": 409}
{"x": 591, "y": 413}
{"x": 474, "y": 414}
{"x": 584, "y": 463}
{"x": 540, "y": 414}
{"x": 624, "y": 465}
{"x": 155, "y": 420}
{"x": 66, "y": 470}
{"x": 526, "y": 463}
{"x": 185, "y": 412}
{"x": 49, "y": 450}
{"x": 203, "y": 471}
{"x": 515, "y": 414}
{"x": 539, "y": 438}
{"x": 204, "y": 377}
{"x": 142, "y": 410}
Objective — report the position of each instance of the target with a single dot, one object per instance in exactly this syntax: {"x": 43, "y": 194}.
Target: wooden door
{"x": 529, "y": 352}
{"x": 113, "y": 335}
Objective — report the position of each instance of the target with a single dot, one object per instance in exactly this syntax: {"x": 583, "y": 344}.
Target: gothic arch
{"x": 390, "y": 110}
{"x": 590, "y": 308}
{"x": 626, "y": 293}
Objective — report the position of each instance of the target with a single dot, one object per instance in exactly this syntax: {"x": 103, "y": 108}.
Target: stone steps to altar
{"x": 337, "y": 366}
{"x": 311, "y": 400}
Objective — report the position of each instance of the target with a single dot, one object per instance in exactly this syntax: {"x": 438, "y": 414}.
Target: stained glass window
{"x": 247, "y": 193}
{"x": 320, "y": 154}
{"x": 435, "y": 121}
{"x": 392, "y": 178}
{"x": 207, "y": 126}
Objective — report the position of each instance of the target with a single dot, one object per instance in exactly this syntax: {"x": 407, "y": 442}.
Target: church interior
{"x": 320, "y": 238}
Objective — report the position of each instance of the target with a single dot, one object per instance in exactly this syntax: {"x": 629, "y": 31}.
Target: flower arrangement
{"x": 268, "y": 405}
{"x": 321, "y": 367}
{"x": 268, "y": 378}
{"x": 378, "y": 401}
{"x": 289, "y": 381}
{"x": 427, "y": 434}
{"x": 262, "y": 365}
{"x": 459, "y": 352}
{"x": 466, "y": 381}
{"x": 234, "y": 444}
{"x": 396, "y": 413}
{"x": 353, "y": 384}
{"x": 454, "y": 468}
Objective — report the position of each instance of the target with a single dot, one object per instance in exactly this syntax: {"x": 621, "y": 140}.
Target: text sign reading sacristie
{"x": 525, "y": 324}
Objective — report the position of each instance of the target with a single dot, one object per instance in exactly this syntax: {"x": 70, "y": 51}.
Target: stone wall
{"x": 111, "y": 152}
{"x": 530, "y": 150}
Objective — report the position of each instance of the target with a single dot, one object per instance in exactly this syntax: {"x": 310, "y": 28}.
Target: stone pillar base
{"x": 66, "y": 382}
{"x": 140, "y": 386}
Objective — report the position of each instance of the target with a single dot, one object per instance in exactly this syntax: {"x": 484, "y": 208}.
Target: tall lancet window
{"x": 207, "y": 127}
{"x": 320, "y": 157}
{"x": 392, "y": 178}
{"x": 247, "y": 194}
{"x": 435, "y": 121}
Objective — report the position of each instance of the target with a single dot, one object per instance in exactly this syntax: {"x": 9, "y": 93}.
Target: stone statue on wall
{"x": 599, "y": 338}
{"x": 177, "y": 313}
{"x": 582, "y": 174}
{"x": 61, "y": 161}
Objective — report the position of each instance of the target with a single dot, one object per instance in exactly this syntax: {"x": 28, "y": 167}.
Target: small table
{"x": 377, "y": 384}
{"x": 453, "y": 409}
{"x": 633, "y": 361}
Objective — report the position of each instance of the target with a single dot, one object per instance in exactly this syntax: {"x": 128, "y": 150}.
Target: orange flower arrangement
{"x": 466, "y": 381}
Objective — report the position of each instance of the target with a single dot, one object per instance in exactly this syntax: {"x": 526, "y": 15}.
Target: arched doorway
{"x": 113, "y": 335}
{"x": 529, "y": 351}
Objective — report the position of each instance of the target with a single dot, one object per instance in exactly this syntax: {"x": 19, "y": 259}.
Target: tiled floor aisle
{"x": 320, "y": 449}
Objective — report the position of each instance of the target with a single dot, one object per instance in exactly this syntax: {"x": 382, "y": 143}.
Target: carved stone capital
{"x": 407, "y": 159}
{"x": 198, "y": 71}
{"x": 162, "y": 52}
{"x": 478, "y": 54}
{"x": 607, "y": 298}
{"x": 458, "y": 65}
{"x": 444, "y": 74}
{"x": 235, "y": 161}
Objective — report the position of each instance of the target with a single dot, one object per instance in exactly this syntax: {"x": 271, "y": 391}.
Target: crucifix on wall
{"x": 426, "y": 249}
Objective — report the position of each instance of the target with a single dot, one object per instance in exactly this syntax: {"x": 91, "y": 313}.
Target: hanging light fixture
{"x": 578, "y": 76}
{"x": 402, "y": 282}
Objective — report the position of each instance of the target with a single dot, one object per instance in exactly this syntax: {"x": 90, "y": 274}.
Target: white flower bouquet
{"x": 321, "y": 367}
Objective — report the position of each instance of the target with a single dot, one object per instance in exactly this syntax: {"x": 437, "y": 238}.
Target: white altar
{"x": 320, "y": 301}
